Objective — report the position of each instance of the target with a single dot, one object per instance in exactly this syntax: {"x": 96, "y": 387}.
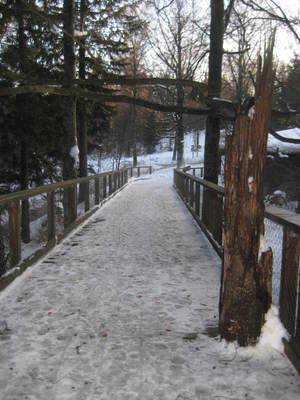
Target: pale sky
{"x": 286, "y": 45}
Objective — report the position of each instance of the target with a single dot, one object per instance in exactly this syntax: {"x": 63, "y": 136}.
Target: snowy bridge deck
{"x": 121, "y": 309}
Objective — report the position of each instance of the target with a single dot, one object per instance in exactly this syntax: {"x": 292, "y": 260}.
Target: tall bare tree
{"x": 181, "y": 47}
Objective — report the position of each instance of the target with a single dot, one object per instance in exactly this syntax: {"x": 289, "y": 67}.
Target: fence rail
{"x": 208, "y": 211}
{"x": 90, "y": 192}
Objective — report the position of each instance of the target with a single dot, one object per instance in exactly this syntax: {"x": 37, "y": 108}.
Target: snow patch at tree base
{"x": 270, "y": 339}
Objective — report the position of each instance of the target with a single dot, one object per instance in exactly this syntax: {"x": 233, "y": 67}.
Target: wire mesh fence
{"x": 282, "y": 234}
{"x": 274, "y": 238}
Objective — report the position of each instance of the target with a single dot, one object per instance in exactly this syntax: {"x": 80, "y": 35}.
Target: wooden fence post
{"x": 86, "y": 189}
{"x": 192, "y": 193}
{"x": 150, "y": 169}
{"x": 51, "y": 216}
{"x": 109, "y": 184}
{"x": 97, "y": 190}
{"x": 138, "y": 171}
{"x": 104, "y": 186}
{"x": 70, "y": 204}
{"x": 14, "y": 212}
{"x": 115, "y": 176}
{"x": 289, "y": 285}
{"x": 25, "y": 221}
{"x": 197, "y": 199}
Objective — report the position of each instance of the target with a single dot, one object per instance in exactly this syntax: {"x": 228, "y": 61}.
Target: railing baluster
{"x": 104, "y": 186}
{"x": 109, "y": 184}
{"x": 97, "y": 190}
{"x": 138, "y": 171}
{"x": 192, "y": 193}
{"x": 14, "y": 211}
{"x": 197, "y": 199}
{"x": 51, "y": 228}
{"x": 290, "y": 281}
{"x": 86, "y": 189}
{"x": 70, "y": 204}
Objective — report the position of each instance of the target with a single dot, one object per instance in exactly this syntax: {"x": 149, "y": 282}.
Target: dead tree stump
{"x": 246, "y": 286}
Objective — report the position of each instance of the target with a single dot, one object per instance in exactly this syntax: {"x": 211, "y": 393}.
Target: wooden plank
{"x": 14, "y": 211}
{"x": 289, "y": 284}
{"x": 25, "y": 221}
{"x": 104, "y": 186}
{"x": 97, "y": 190}
{"x": 203, "y": 182}
{"x": 197, "y": 199}
{"x": 110, "y": 190}
{"x": 215, "y": 245}
{"x": 51, "y": 229}
{"x": 115, "y": 182}
{"x": 70, "y": 205}
{"x": 25, "y": 194}
{"x": 283, "y": 217}
{"x": 86, "y": 196}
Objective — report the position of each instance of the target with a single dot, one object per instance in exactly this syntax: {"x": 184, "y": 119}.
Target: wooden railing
{"x": 94, "y": 189}
{"x": 209, "y": 215}
{"x": 192, "y": 191}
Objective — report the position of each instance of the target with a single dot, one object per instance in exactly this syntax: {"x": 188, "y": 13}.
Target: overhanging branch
{"x": 101, "y": 97}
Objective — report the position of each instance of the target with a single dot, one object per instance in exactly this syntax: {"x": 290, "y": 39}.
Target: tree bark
{"x": 246, "y": 287}
{"x": 69, "y": 113}
{"x": 212, "y": 137}
{"x": 211, "y": 205}
{"x": 21, "y": 104}
{"x": 81, "y": 109}
{"x": 180, "y": 95}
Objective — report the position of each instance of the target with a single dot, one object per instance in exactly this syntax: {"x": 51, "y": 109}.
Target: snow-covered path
{"x": 125, "y": 309}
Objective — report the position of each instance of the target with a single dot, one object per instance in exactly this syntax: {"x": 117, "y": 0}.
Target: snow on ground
{"x": 126, "y": 308}
{"x": 161, "y": 157}
{"x": 275, "y": 145}
{"x": 192, "y": 155}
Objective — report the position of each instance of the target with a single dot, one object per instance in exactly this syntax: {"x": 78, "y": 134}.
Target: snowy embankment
{"x": 161, "y": 158}
{"x": 126, "y": 308}
{"x": 276, "y": 146}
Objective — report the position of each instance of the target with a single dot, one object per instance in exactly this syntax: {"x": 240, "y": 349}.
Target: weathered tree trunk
{"x": 179, "y": 127}
{"x": 81, "y": 109}
{"x": 69, "y": 117}
{"x": 179, "y": 94}
{"x": 133, "y": 122}
{"x": 212, "y": 137}
{"x": 21, "y": 104}
{"x": 211, "y": 205}
{"x": 247, "y": 266}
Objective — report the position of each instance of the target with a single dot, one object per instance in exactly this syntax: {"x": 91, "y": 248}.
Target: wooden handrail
{"x": 25, "y": 194}
{"x": 105, "y": 184}
{"x": 276, "y": 214}
{"x": 203, "y": 182}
